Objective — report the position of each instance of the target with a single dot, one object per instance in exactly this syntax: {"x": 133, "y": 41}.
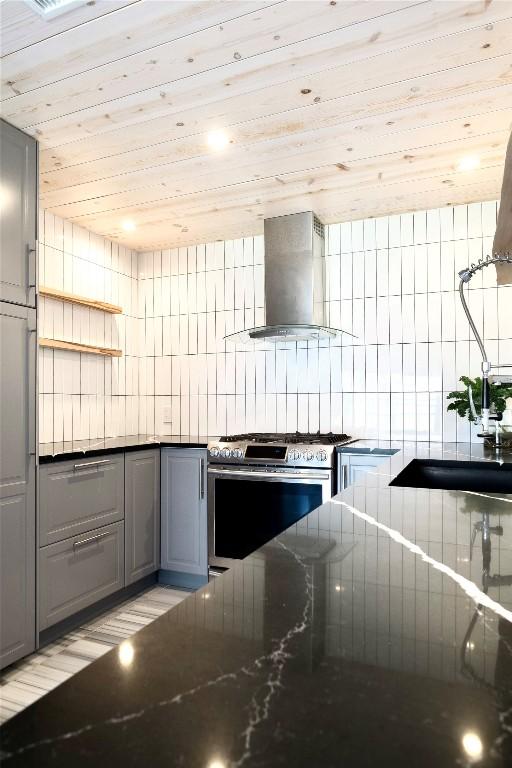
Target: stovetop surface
{"x": 291, "y": 438}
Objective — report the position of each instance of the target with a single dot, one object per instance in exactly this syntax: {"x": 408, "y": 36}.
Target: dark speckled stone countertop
{"x": 76, "y": 449}
{"x": 362, "y": 636}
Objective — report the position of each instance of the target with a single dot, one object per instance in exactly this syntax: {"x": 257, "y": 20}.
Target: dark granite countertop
{"x": 74, "y": 449}
{"x": 362, "y": 636}
{"x": 476, "y": 451}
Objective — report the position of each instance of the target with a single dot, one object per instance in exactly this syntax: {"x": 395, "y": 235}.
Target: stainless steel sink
{"x": 479, "y": 476}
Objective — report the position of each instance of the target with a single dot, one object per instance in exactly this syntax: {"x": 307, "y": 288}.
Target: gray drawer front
{"x": 78, "y": 572}
{"x": 76, "y": 496}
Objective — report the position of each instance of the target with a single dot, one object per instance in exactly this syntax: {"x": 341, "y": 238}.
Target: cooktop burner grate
{"x": 310, "y": 438}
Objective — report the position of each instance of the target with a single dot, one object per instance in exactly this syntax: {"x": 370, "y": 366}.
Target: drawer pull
{"x": 83, "y": 542}
{"x": 89, "y": 464}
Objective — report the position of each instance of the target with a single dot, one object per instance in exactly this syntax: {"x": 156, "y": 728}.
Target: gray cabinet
{"x": 78, "y": 572}
{"x": 17, "y": 481}
{"x": 142, "y": 514}
{"x": 352, "y": 466}
{"x": 77, "y": 496}
{"x": 18, "y": 233}
{"x": 184, "y": 550}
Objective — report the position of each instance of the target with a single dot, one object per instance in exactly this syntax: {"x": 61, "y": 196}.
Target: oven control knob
{"x": 308, "y": 455}
{"x": 321, "y": 456}
{"x": 238, "y": 454}
{"x": 214, "y": 452}
{"x": 226, "y": 453}
{"x": 295, "y": 455}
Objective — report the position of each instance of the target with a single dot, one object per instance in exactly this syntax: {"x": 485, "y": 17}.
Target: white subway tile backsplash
{"x": 421, "y": 327}
{"x": 435, "y": 367}
{"x": 460, "y": 222}
{"x": 396, "y": 415}
{"x": 409, "y": 416}
{"x": 76, "y": 388}
{"x": 407, "y": 229}
{"x": 445, "y": 226}
{"x": 383, "y": 368}
{"x": 370, "y": 367}
{"x": 382, "y": 233}
{"x": 391, "y": 281}
{"x": 358, "y": 275}
{"x": 358, "y": 235}
{"x": 394, "y": 231}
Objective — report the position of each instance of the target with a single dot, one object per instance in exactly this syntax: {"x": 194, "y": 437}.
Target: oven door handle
{"x": 262, "y": 474}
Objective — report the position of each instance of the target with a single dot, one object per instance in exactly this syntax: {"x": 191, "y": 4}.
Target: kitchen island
{"x": 369, "y": 633}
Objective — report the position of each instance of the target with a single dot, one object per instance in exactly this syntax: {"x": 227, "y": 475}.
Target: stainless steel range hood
{"x": 295, "y": 307}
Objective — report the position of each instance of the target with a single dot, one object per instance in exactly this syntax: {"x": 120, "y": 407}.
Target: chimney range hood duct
{"x": 294, "y": 282}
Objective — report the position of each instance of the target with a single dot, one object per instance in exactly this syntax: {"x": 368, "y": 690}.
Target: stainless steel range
{"x": 262, "y": 483}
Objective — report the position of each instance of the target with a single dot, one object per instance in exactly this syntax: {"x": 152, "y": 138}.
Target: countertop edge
{"x": 50, "y": 455}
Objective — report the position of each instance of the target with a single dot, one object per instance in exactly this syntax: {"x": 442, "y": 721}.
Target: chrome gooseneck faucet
{"x": 486, "y": 416}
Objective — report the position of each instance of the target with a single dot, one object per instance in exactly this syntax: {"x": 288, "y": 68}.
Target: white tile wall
{"x": 391, "y": 281}
{"x": 86, "y": 396}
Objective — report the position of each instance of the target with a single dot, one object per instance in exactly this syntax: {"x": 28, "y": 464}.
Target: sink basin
{"x": 479, "y": 476}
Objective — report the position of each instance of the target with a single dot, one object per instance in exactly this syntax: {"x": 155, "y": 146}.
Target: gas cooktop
{"x": 291, "y": 438}
{"x": 292, "y": 449}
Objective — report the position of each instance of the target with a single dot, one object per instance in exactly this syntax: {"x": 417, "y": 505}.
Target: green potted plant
{"x": 501, "y": 401}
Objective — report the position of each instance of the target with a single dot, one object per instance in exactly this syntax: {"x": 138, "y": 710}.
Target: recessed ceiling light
{"x": 217, "y": 140}
{"x": 128, "y": 225}
{"x": 468, "y": 163}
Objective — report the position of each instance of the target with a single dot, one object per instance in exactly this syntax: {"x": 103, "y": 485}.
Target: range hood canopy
{"x": 295, "y": 307}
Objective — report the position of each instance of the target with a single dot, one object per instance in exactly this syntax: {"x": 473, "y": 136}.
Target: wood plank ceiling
{"x": 349, "y": 108}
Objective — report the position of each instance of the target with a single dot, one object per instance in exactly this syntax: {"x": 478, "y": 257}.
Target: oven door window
{"x": 248, "y": 513}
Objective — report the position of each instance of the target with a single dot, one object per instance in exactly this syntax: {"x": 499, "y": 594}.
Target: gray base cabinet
{"x": 81, "y": 534}
{"x": 183, "y": 514}
{"x": 352, "y": 465}
{"x": 17, "y": 482}
{"x": 78, "y": 572}
{"x": 77, "y": 496}
{"x": 99, "y": 529}
{"x": 142, "y": 514}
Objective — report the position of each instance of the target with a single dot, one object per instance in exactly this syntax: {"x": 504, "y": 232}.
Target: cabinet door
{"x": 142, "y": 514}
{"x": 77, "y": 496}
{"x": 78, "y": 572}
{"x": 17, "y": 482}
{"x": 351, "y": 467}
{"x": 183, "y": 512}
{"x": 18, "y": 231}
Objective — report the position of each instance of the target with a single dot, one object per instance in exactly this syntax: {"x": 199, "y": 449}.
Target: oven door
{"x": 249, "y": 506}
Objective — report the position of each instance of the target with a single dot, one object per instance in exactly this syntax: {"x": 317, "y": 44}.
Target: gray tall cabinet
{"x": 18, "y": 230}
{"x": 18, "y": 395}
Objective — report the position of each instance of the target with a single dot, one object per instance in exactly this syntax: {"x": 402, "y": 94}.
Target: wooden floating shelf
{"x": 72, "y": 298}
{"x": 72, "y": 347}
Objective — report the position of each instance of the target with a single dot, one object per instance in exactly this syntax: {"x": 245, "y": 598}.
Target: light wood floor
{"x": 23, "y": 683}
